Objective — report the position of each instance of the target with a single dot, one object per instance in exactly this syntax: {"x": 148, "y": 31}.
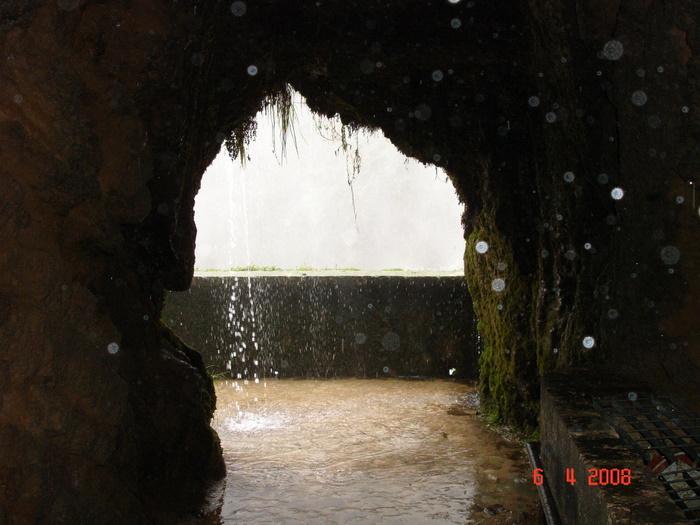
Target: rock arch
{"x": 111, "y": 111}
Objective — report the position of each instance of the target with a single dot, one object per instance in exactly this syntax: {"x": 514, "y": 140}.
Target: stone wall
{"x": 328, "y": 326}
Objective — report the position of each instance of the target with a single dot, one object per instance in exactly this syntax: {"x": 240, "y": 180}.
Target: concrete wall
{"x": 327, "y": 326}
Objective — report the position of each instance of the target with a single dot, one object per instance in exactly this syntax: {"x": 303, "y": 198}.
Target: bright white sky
{"x": 299, "y": 213}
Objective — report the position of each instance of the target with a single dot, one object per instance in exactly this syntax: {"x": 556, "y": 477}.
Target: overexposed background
{"x": 297, "y": 210}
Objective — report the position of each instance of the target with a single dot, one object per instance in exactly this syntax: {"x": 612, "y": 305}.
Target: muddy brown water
{"x": 353, "y": 451}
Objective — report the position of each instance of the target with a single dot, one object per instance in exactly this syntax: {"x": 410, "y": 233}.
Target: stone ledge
{"x": 574, "y": 435}
{"x": 330, "y": 273}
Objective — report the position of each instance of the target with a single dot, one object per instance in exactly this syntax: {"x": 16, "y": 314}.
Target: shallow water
{"x": 364, "y": 451}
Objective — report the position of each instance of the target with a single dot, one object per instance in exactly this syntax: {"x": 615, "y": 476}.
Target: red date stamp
{"x": 596, "y": 476}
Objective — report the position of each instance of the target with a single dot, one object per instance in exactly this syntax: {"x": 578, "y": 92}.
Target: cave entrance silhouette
{"x": 330, "y": 199}
{"x": 538, "y": 111}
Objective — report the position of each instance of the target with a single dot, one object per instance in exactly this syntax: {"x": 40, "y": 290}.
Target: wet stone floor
{"x": 353, "y": 451}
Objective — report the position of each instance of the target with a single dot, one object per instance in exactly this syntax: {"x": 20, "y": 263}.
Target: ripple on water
{"x": 247, "y": 422}
{"x": 362, "y": 451}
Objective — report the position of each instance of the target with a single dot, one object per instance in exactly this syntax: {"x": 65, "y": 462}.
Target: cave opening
{"x": 330, "y": 442}
{"x": 385, "y": 243}
{"x": 324, "y": 197}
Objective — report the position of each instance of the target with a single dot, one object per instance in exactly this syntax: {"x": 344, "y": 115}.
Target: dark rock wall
{"x": 110, "y": 111}
{"x": 625, "y": 78}
{"x": 104, "y": 416}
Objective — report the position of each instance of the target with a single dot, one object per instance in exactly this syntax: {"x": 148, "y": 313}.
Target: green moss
{"x": 216, "y": 374}
{"x": 279, "y": 106}
{"x": 256, "y": 268}
{"x": 346, "y": 269}
{"x": 508, "y": 355}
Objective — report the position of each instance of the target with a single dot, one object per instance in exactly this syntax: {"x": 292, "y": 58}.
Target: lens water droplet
{"x": 670, "y": 254}
{"x": 422, "y": 112}
{"x": 613, "y": 50}
{"x": 238, "y": 8}
{"x": 639, "y": 98}
{"x": 498, "y": 285}
{"x": 391, "y": 341}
